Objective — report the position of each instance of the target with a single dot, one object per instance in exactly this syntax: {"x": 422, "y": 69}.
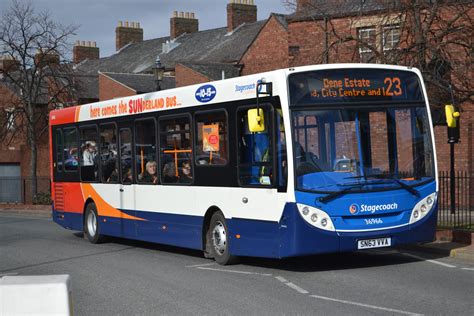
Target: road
{"x": 128, "y": 278}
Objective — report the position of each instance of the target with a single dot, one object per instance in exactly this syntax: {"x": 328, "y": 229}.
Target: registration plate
{"x": 374, "y": 243}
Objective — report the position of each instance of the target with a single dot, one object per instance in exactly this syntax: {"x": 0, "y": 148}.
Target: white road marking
{"x": 201, "y": 265}
{"x": 233, "y": 271}
{"x": 364, "y": 305}
{"x": 297, "y": 288}
{"x": 291, "y": 285}
{"x": 7, "y": 274}
{"x": 428, "y": 260}
{"x": 468, "y": 269}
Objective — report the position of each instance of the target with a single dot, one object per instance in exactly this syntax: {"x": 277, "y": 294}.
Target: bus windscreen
{"x": 354, "y": 85}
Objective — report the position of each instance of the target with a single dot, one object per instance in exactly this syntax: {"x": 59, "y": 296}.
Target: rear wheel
{"x": 91, "y": 224}
{"x": 218, "y": 240}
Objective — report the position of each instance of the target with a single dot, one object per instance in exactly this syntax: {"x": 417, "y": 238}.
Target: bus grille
{"x": 59, "y": 196}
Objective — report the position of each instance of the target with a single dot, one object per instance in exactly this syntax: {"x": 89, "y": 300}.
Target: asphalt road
{"x": 128, "y": 278}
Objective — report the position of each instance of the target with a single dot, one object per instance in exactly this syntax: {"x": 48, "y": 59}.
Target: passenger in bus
{"x": 186, "y": 174}
{"x": 128, "y": 178}
{"x": 113, "y": 176}
{"x": 149, "y": 175}
{"x": 169, "y": 173}
{"x": 89, "y": 154}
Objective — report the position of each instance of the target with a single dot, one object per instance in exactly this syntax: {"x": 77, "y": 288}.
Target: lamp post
{"x": 158, "y": 71}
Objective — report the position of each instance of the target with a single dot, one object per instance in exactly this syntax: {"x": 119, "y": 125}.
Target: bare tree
{"x": 435, "y": 36}
{"x": 37, "y": 75}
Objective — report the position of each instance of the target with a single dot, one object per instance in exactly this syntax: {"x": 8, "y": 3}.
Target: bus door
{"x": 127, "y": 189}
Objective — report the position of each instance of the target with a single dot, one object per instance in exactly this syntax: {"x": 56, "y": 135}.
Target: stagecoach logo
{"x": 205, "y": 93}
{"x": 354, "y": 208}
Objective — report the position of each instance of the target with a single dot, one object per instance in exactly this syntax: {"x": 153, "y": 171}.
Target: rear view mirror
{"x": 256, "y": 120}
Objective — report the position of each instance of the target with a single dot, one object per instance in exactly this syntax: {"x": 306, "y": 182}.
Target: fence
{"x": 17, "y": 189}
{"x": 463, "y": 214}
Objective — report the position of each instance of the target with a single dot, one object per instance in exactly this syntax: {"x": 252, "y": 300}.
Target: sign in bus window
{"x": 211, "y": 139}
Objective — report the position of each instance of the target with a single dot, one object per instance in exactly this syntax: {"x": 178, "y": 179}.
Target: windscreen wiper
{"x": 333, "y": 195}
{"x": 388, "y": 176}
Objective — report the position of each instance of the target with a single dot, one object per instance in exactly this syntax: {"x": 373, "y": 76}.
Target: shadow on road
{"x": 326, "y": 262}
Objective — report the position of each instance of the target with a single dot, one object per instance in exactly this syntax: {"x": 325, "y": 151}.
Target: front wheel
{"x": 91, "y": 224}
{"x": 218, "y": 239}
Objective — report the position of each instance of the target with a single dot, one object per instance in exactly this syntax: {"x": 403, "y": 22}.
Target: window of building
{"x": 211, "y": 139}
{"x": 109, "y": 153}
{"x": 255, "y": 151}
{"x": 391, "y": 37}
{"x": 175, "y": 150}
{"x": 89, "y": 164}
{"x": 70, "y": 151}
{"x": 145, "y": 151}
{"x": 11, "y": 119}
{"x": 367, "y": 43}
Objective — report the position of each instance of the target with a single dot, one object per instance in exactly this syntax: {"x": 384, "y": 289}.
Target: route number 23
{"x": 393, "y": 87}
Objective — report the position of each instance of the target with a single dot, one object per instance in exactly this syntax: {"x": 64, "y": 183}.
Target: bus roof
{"x": 233, "y": 89}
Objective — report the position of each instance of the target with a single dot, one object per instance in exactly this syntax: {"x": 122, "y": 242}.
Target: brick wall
{"x": 183, "y": 24}
{"x": 239, "y": 13}
{"x": 111, "y": 89}
{"x": 186, "y": 76}
{"x": 269, "y": 51}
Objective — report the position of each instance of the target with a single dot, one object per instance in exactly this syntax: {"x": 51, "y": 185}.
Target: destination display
{"x": 353, "y": 85}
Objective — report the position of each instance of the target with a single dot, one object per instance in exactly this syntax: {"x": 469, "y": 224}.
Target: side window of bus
{"x": 255, "y": 151}
{"x": 175, "y": 150}
{"x": 282, "y": 156}
{"x": 109, "y": 153}
{"x": 89, "y": 164}
{"x": 58, "y": 150}
{"x": 145, "y": 151}
{"x": 126, "y": 156}
{"x": 70, "y": 152}
{"x": 211, "y": 139}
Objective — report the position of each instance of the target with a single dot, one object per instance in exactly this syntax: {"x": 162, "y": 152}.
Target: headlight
{"x": 422, "y": 208}
{"x": 316, "y": 217}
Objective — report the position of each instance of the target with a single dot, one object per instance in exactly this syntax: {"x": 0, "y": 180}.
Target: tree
{"x": 434, "y": 36}
{"x": 36, "y": 75}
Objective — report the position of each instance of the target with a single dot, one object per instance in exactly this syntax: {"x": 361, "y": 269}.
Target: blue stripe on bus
{"x": 292, "y": 236}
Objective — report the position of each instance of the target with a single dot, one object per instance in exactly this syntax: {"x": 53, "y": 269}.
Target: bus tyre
{"x": 218, "y": 237}
{"x": 91, "y": 224}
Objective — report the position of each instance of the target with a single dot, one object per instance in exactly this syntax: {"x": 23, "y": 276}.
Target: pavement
{"x": 443, "y": 248}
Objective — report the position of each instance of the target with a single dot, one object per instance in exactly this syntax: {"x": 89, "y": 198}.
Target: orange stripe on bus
{"x": 104, "y": 208}
{"x": 78, "y": 111}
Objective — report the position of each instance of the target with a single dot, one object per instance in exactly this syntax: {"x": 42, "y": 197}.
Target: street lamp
{"x": 158, "y": 71}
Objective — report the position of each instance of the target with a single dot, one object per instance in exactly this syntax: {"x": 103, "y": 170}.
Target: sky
{"x": 97, "y": 19}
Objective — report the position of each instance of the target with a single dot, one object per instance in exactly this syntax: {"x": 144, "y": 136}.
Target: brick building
{"x": 317, "y": 32}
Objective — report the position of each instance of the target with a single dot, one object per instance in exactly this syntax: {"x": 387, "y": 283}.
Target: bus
{"x": 293, "y": 162}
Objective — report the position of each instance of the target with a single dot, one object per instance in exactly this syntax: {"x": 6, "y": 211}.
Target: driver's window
{"x": 255, "y": 151}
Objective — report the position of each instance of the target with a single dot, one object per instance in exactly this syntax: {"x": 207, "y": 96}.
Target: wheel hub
{"x": 219, "y": 238}
{"x": 91, "y": 223}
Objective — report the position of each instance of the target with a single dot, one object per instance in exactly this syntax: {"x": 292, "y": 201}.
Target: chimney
{"x": 84, "y": 50}
{"x": 8, "y": 64}
{"x": 239, "y": 12}
{"x": 181, "y": 23}
{"x": 43, "y": 59}
{"x": 127, "y": 33}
